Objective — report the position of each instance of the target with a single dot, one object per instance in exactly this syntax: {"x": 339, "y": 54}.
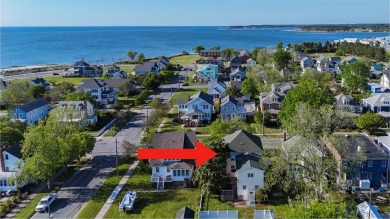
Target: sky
{"x": 190, "y": 12}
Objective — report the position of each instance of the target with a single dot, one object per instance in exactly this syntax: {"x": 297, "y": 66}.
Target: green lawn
{"x": 280, "y": 206}
{"x": 157, "y": 204}
{"x": 185, "y": 93}
{"x": 316, "y": 55}
{"x": 184, "y": 59}
{"x": 127, "y": 68}
{"x": 92, "y": 208}
{"x": 203, "y": 130}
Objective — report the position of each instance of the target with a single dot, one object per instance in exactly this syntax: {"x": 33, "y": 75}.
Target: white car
{"x": 45, "y": 202}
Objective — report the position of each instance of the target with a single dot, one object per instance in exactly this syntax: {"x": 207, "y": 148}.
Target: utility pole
{"x": 262, "y": 129}
{"x": 116, "y": 155}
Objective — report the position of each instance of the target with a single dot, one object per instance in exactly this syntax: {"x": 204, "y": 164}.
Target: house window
{"x": 174, "y": 172}
{"x": 6, "y": 168}
{"x": 244, "y": 187}
{"x": 6, "y": 156}
{"x": 5, "y": 182}
{"x": 205, "y": 106}
{"x": 369, "y": 175}
{"x": 183, "y": 172}
{"x": 1, "y": 182}
{"x": 195, "y": 107}
{"x": 168, "y": 170}
{"x": 233, "y": 168}
{"x": 187, "y": 172}
{"x": 250, "y": 175}
{"x": 256, "y": 186}
{"x": 383, "y": 163}
{"x": 157, "y": 169}
{"x": 369, "y": 164}
{"x": 178, "y": 173}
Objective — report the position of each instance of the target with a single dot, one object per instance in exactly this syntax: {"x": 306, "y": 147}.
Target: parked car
{"x": 45, "y": 202}
{"x": 55, "y": 74}
{"x": 186, "y": 84}
{"x": 109, "y": 106}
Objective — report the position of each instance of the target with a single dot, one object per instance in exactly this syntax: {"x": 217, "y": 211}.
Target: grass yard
{"x": 203, "y": 130}
{"x": 184, "y": 59}
{"x": 157, "y": 204}
{"x": 185, "y": 93}
{"x": 316, "y": 55}
{"x": 267, "y": 130}
{"x": 127, "y": 68}
{"x": 92, "y": 208}
{"x": 170, "y": 126}
{"x": 55, "y": 80}
{"x": 280, "y": 206}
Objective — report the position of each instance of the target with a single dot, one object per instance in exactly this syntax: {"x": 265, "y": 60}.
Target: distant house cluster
{"x": 83, "y": 69}
{"x": 152, "y": 66}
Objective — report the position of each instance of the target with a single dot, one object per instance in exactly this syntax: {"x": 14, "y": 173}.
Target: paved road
{"x": 84, "y": 184}
{"x": 31, "y": 75}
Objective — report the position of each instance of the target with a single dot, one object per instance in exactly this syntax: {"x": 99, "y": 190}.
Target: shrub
{"x": 260, "y": 195}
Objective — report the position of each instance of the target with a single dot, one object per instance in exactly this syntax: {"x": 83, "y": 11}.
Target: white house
{"x": 250, "y": 176}
{"x": 217, "y": 89}
{"x": 238, "y": 74}
{"x": 172, "y": 170}
{"x": 306, "y": 62}
{"x": 231, "y": 108}
{"x": 84, "y": 113}
{"x": 250, "y": 62}
{"x": 8, "y": 163}
{"x": 198, "y": 108}
{"x": 243, "y": 166}
{"x": 385, "y": 79}
{"x": 324, "y": 64}
{"x": 99, "y": 90}
{"x": 378, "y": 103}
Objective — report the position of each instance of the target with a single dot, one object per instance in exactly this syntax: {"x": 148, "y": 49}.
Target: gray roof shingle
{"x": 15, "y": 151}
{"x": 90, "y": 84}
{"x": 248, "y": 160}
{"x": 204, "y": 96}
{"x": 243, "y": 141}
{"x": 33, "y": 105}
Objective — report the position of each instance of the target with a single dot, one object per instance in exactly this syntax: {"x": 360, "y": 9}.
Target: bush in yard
{"x": 370, "y": 121}
{"x": 143, "y": 167}
{"x": 260, "y": 195}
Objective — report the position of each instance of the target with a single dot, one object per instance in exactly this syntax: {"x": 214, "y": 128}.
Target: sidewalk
{"x": 116, "y": 191}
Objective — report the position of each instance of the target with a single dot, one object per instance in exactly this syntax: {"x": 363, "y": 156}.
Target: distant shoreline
{"x": 347, "y": 28}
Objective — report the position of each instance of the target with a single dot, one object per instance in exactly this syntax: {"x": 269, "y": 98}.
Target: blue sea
{"x": 103, "y": 45}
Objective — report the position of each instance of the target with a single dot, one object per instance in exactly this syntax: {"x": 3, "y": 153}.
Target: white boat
{"x": 127, "y": 202}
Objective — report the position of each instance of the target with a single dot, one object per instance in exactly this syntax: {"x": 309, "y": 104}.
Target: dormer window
{"x": 386, "y": 102}
{"x": 6, "y": 156}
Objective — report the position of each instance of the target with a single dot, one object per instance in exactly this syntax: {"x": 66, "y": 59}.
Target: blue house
{"x": 376, "y": 67}
{"x": 31, "y": 112}
{"x": 40, "y": 81}
{"x": 374, "y": 168}
{"x": 376, "y": 88}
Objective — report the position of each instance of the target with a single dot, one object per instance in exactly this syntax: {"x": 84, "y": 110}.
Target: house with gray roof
{"x": 375, "y": 74}
{"x": 197, "y": 109}
{"x": 146, "y": 68}
{"x": 172, "y": 170}
{"x": 335, "y": 60}
{"x": 225, "y": 214}
{"x": 210, "y": 53}
{"x": 238, "y": 74}
{"x": 112, "y": 69}
{"x": 3, "y": 85}
{"x": 99, "y": 90}
{"x": 31, "y": 112}
{"x": 217, "y": 89}
{"x": 81, "y": 112}
{"x": 234, "y": 62}
{"x": 9, "y": 158}
{"x": 350, "y": 59}
{"x": 324, "y": 64}
{"x": 307, "y": 62}
{"x": 243, "y": 166}
{"x": 40, "y": 81}
{"x": 270, "y": 101}
{"x": 231, "y": 108}
{"x": 378, "y": 103}
{"x": 162, "y": 62}
{"x": 84, "y": 69}
{"x": 346, "y": 103}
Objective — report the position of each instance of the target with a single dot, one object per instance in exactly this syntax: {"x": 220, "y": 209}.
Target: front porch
{"x": 161, "y": 180}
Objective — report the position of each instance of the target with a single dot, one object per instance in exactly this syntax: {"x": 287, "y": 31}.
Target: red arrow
{"x": 201, "y": 154}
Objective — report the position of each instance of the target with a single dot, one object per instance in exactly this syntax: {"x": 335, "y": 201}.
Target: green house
{"x": 207, "y": 72}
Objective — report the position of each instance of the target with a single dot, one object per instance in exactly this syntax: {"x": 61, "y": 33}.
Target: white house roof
{"x": 377, "y": 98}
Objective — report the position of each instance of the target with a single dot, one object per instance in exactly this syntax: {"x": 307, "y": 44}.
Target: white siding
{"x": 249, "y": 182}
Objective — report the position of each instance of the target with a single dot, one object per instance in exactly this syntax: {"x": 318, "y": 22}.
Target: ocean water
{"x": 104, "y": 45}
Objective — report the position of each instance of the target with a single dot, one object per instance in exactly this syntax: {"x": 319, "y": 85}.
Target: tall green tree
{"x": 215, "y": 48}
{"x": 9, "y": 136}
{"x": 249, "y": 87}
{"x": 16, "y": 94}
{"x": 131, "y": 54}
{"x": 281, "y": 59}
{"x": 219, "y": 128}
{"x": 127, "y": 87}
{"x": 317, "y": 209}
{"x": 233, "y": 91}
{"x": 61, "y": 90}
{"x": 211, "y": 176}
{"x": 307, "y": 91}
{"x": 227, "y": 53}
{"x": 37, "y": 90}
{"x": 198, "y": 48}
{"x": 355, "y": 76}
{"x": 370, "y": 121}
{"x": 81, "y": 96}
{"x": 152, "y": 81}
{"x": 141, "y": 58}
{"x": 279, "y": 46}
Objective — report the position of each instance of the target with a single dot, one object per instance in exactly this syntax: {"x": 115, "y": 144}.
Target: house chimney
{"x": 284, "y": 136}
{"x": 2, "y": 160}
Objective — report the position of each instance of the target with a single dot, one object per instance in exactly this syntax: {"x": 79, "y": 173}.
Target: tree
{"x": 198, "y": 48}
{"x": 81, "y": 96}
{"x": 281, "y": 59}
{"x": 215, "y": 48}
{"x": 118, "y": 105}
{"x": 9, "y": 137}
{"x": 211, "y": 176}
{"x": 234, "y": 92}
{"x": 141, "y": 98}
{"x": 16, "y": 94}
{"x": 184, "y": 52}
{"x": 370, "y": 121}
{"x": 355, "y": 76}
{"x": 61, "y": 90}
{"x": 238, "y": 124}
{"x": 141, "y": 58}
{"x": 249, "y": 87}
{"x": 156, "y": 103}
{"x": 307, "y": 91}
{"x": 37, "y": 90}
{"x": 279, "y": 46}
{"x": 128, "y": 148}
{"x": 317, "y": 209}
{"x": 227, "y": 53}
{"x": 218, "y": 128}
{"x": 151, "y": 82}
{"x": 259, "y": 118}
{"x": 132, "y": 54}
{"x": 263, "y": 57}
{"x": 127, "y": 87}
